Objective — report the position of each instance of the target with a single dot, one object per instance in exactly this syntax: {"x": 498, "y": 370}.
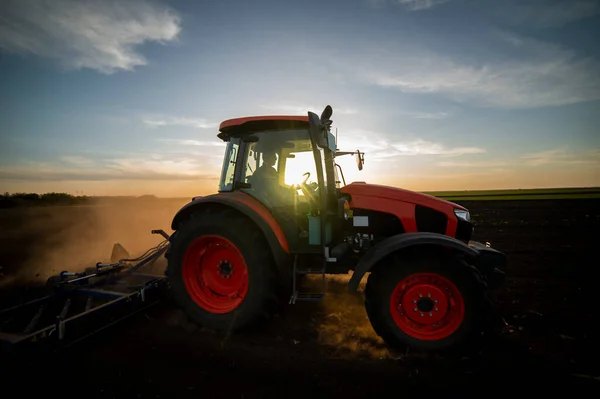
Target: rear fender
{"x": 252, "y": 209}
{"x": 402, "y": 241}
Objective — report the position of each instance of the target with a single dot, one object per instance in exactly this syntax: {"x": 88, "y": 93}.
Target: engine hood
{"x": 398, "y": 194}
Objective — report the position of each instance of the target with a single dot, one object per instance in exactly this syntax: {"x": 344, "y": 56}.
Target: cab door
{"x": 323, "y": 149}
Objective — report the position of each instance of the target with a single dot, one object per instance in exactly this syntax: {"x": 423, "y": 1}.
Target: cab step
{"x": 311, "y": 271}
{"x": 307, "y": 296}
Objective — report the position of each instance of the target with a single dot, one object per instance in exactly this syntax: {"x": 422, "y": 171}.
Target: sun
{"x": 296, "y": 167}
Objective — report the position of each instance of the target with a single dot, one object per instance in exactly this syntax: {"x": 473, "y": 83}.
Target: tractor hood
{"x": 398, "y": 194}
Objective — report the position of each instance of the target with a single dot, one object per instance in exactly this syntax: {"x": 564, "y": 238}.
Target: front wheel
{"x": 425, "y": 303}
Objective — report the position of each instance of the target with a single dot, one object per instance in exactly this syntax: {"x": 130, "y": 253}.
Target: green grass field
{"x": 525, "y": 194}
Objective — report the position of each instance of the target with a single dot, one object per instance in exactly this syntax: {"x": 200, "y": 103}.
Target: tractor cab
{"x": 287, "y": 164}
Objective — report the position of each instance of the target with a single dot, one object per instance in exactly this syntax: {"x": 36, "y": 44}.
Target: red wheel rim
{"x": 427, "y": 306}
{"x": 215, "y": 274}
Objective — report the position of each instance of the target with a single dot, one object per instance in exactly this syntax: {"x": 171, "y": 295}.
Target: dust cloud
{"x": 39, "y": 242}
{"x": 343, "y": 324}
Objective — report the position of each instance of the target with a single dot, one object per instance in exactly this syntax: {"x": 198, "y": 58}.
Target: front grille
{"x": 464, "y": 230}
{"x": 430, "y": 220}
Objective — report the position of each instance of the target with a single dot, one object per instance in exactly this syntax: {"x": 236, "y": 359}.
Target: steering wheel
{"x": 307, "y": 190}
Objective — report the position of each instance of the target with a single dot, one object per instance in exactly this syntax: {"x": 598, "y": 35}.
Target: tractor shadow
{"x": 332, "y": 337}
{"x": 338, "y": 328}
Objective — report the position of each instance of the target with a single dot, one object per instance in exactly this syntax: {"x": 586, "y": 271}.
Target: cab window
{"x": 229, "y": 161}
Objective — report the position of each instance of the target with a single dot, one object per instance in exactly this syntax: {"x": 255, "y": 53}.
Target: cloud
{"x": 436, "y": 176}
{"x": 422, "y": 147}
{"x": 426, "y": 115}
{"x": 542, "y": 74}
{"x": 135, "y": 167}
{"x": 543, "y": 13}
{"x": 563, "y": 156}
{"x": 474, "y": 164}
{"x": 301, "y": 109}
{"x": 379, "y": 146}
{"x": 170, "y": 167}
{"x": 554, "y": 157}
{"x": 199, "y": 123}
{"x": 376, "y": 3}
{"x": 77, "y": 160}
{"x": 416, "y": 5}
{"x": 200, "y": 143}
{"x": 366, "y": 140}
{"x": 530, "y": 13}
{"x": 97, "y": 175}
{"x": 100, "y": 35}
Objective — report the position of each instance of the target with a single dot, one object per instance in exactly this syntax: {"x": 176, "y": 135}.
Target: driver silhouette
{"x": 265, "y": 180}
{"x": 267, "y": 169}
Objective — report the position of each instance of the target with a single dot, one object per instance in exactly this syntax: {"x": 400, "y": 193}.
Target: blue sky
{"x": 124, "y": 98}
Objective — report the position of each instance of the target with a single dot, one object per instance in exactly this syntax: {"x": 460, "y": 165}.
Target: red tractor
{"x": 236, "y": 256}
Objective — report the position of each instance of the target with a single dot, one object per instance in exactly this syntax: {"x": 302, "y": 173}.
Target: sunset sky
{"x": 125, "y": 97}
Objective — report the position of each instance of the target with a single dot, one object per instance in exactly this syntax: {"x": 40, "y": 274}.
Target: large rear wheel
{"x": 426, "y": 303}
{"x": 221, "y": 271}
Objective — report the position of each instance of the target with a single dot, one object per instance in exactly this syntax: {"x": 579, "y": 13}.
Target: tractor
{"x": 283, "y": 211}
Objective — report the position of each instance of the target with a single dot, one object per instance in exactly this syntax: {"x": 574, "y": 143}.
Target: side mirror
{"x": 326, "y": 114}
{"x": 360, "y": 159}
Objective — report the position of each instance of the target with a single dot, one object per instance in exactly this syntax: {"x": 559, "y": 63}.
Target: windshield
{"x": 276, "y": 164}
{"x": 287, "y": 153}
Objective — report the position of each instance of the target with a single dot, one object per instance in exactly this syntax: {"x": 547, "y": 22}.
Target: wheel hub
{"x": 225, "y": 269}
{"x": 425, "y": 304}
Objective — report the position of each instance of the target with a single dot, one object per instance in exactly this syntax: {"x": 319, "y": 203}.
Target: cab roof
{"x": 250, "y": 124}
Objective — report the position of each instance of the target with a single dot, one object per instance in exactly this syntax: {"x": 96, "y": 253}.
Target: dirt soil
{"x": 325, "y": 349}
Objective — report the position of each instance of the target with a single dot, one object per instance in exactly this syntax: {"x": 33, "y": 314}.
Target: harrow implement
{"x": 82, "y": 304}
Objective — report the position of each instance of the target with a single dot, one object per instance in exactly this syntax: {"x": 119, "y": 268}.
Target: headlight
{"x": 464, "y": 215}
